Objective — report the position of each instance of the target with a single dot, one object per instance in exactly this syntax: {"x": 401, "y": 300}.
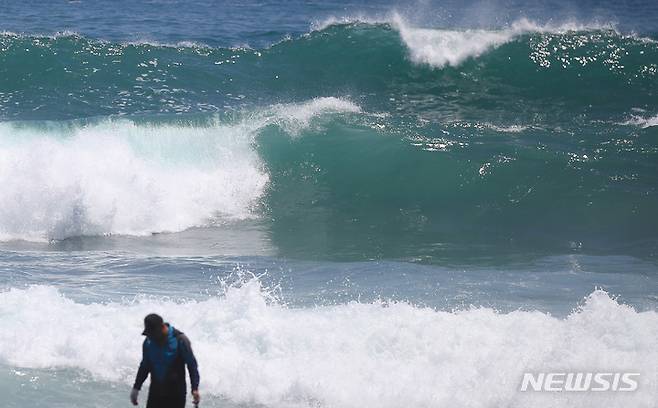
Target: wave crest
{"x": 119, "y": 177}
{"x": 438, "y": 48}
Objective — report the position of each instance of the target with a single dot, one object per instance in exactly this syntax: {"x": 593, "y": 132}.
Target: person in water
{"x": 165, "y": 353}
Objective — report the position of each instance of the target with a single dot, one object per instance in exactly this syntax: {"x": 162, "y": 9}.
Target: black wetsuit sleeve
{"x": 144, "y": 369}
{"x": 190, "y": 361}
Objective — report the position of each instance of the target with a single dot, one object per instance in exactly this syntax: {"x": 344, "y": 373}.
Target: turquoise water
{"x": 378, "y": 156}
{"x": 351, "y": 204}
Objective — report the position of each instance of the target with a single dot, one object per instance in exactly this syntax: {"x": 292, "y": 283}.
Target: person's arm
{"x": 144, "y": 369}
{"x": 192, "y": 367}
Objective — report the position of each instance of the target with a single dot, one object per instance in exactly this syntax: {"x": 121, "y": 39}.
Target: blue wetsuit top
{"x": 166, "y": 364}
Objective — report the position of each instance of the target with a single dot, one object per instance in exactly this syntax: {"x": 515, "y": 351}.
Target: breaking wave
{"x": 253, "y": 349}
{"x": 483, "y": 132}
{"x": 116, "y": 176}
{"x": 439, "y": 48}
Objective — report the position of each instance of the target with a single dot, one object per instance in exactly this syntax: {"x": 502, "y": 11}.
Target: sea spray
{"x": 253, "y": 350}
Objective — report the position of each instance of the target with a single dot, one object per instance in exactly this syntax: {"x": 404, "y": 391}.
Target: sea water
{"x": 342, "y": 204}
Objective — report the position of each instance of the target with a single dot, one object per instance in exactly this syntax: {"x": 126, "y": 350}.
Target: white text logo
{"x": 580, "y": 382}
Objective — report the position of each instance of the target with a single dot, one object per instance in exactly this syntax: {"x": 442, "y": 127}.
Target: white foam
{"x": 508, "y": 129}
{"x": 330, "y": 21}
{"x": 253, "y": 350}
{"x": 642, "y": 122}
{"x": 118, "y": 177}
{"x": 439, "y": 48}
{"x": 296, "y": 117}
{"x": 53, "y": 36}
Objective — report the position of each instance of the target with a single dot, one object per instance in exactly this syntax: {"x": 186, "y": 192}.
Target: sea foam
{"x": 642, "y": 122}
{"x": 254, "y": 350}
{"x": 440, "y": 47}
{"x": 120, "y": 177}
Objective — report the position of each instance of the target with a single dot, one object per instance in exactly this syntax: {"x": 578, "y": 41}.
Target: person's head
{"x": 154, "y": 328}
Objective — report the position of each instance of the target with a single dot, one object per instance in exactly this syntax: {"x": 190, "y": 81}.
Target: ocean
{"x": 342, "y": 204}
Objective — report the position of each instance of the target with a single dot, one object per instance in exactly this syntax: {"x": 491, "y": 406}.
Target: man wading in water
{"x": 165, "y": 353}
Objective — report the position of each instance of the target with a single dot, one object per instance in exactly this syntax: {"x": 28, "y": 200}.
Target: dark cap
{"x": 152, "y": 324}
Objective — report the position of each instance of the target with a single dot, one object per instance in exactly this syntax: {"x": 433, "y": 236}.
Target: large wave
{"x": 117, "y": 176}
{"x": 359, "y": 183}
{"x": 440, "y": 47}
{"x": 253, "y": 349}
{"x": 489, "y": 137}
{"x": 379, "y": 61}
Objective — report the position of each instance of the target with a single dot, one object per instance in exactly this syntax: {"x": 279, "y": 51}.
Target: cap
{"x": 152, "y": 324}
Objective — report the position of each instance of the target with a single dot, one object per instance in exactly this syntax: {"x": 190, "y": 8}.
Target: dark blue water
{"x": 260, "y": 23}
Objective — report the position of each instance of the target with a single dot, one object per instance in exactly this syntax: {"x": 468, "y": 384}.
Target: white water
{"x": 119, "y": 177}
{"x": 252, "y": 349}
{"x": 438, "y": 47}
{"x": 644, "y": 123}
